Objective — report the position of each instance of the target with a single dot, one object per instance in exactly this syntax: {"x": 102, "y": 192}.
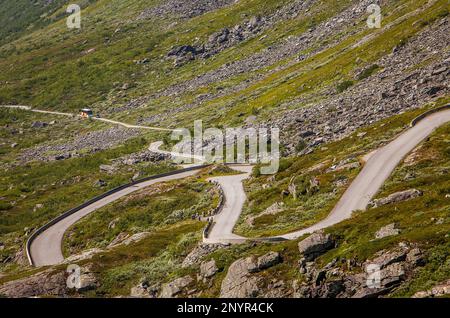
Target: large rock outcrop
{"x": 397, "y": 197}
{"x": 315, "y": 245}
{"x": 240, "y": 281}
{"x": 175, "y": 287}
{"x": 47, "y": 283}
{"x": 208, "y": 269}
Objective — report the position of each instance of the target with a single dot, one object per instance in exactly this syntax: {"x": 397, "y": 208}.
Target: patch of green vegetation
{"x": 156, "y": 258}
{"x": 18, "y": 131}
{"x": 19, "y": 16}
{"x": 218, "y": 170}
{"x": 367, "y": 72}
{"x": 146, "y": 210}
{"x": 22, "y": 273}
{"x": 58, "y": 185}
{"x": 343, "y": 86}
{"x": 301, "y": 145}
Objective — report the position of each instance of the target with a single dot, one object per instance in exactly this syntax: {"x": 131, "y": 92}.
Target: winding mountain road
{"x": 45, "y": 249}
{"x": 376, "y": 171}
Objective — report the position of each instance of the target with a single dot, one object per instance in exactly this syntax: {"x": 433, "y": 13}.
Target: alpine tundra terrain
{"x": 360, "y": 204}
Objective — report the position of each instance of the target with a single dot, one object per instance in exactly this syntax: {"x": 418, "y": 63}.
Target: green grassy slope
{"x": 53, "y": 69}
{"x": 21, "y": 16}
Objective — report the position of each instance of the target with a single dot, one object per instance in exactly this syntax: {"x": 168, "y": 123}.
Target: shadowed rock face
{"x": 315, "y": 245}
{"x": 375, "y": 277}
{"x": 268, "y": 260}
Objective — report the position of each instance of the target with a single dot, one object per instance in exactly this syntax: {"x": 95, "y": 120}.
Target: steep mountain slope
{"x": 76, "y": 68}
{"x": 19, "y": 17}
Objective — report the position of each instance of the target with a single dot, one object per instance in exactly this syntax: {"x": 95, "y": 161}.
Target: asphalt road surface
{"x": 224, "y": 222}
{"x": 46, "y": 248}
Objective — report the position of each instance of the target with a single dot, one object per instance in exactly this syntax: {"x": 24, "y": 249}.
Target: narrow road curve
{"x": 46, "y": 247}
{"x": 109, "y": 121}
{"x": 224, "y": 222}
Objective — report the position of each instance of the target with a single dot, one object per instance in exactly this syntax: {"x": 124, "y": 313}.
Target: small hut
{"x": 86, "y": 113}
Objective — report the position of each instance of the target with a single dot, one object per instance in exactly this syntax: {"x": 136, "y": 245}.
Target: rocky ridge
{"x": 396, "y": 88}
{"x": 91, "y": 142}
{"x": 287, "y": 47}
{"x": 184, "y": 9}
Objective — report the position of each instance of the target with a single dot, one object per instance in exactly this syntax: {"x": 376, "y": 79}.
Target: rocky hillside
{"x": 336, "y": 88}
